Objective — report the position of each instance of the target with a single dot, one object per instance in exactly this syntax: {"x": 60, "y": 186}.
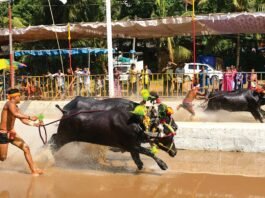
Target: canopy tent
{"x": 55, "y": 52}
{"x": 212, "y": 24}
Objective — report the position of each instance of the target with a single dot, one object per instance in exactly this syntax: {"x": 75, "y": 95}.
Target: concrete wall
{"x": 228, "y": 136}
{"x": 247, "y": 137}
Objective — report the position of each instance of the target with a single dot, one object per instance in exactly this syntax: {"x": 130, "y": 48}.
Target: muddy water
{"x": 77, "y": 172}
{"x": 85, "y": 170}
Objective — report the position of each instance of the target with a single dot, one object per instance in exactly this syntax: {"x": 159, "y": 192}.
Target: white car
{"x": 191, "y": 68}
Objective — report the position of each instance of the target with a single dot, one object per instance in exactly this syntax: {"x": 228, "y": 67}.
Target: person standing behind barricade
{"x": 60, "y": 81}
{"x": 133, "y": 80}
{"x": 117, "y": 86}
{"x": 234, "y": 74}
{"x": 79, "y": 81}
{"x": 252, "y": 79}
{"x": 98, "y": 86}
{"x": 227, "y": 80}
{"x": 203, "y": 80}
{"x": 145, "y": 76}
{"x": 179, "y": 78}
{"x": 167, "y": 78}
{"x": 87, "y": 80}
{"x": 239, "y": 81}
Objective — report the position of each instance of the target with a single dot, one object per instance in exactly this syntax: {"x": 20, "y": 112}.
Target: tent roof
{"x": 212, "y": 24}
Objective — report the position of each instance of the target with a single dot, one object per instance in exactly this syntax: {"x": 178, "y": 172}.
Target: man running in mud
{"x": 191, "y": 95}
{"x": 8, "y": 134}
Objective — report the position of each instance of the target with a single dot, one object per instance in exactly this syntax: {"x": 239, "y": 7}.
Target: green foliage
{"x": 37, "y": 12}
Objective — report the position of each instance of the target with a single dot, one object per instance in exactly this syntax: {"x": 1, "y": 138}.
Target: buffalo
{"x": 117, "y": 128}
{"x": 88, "y": 103}
{"x": 110, "y": 122}
{"x": 241, "y": 100}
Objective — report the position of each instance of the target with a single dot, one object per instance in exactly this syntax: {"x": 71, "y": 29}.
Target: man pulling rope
{"x": 10, "y": 113}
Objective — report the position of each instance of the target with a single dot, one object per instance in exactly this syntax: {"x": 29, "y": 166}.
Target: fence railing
{"x": 166, "y": 85}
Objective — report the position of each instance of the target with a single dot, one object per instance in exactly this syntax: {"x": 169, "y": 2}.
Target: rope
{"x": 56, "y": 35}
{"x": 207, "y": 100}
{"x": 44, "y": 140}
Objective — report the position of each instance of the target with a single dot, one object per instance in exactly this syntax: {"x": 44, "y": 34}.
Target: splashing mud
{"x": 218, "y": 116}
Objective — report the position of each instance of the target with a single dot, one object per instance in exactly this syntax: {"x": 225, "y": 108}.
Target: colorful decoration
{"x": 40, "y": 117}
{"x": 140, "y": 110}
{"x": 145, "y": 94}
{"x": 154, "y": 149}
{"x": 170, "y": 111}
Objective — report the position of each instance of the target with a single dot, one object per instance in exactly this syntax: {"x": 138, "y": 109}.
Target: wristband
{"x": 31, "y": 123}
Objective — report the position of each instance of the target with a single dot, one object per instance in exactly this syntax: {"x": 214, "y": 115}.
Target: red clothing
{"x": 228, "y": 81}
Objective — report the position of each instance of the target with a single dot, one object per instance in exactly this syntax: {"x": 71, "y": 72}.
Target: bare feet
{"x": 37, "y": 172}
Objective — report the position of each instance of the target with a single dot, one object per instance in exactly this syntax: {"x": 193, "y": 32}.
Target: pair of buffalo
{"x": 110, "y": 122}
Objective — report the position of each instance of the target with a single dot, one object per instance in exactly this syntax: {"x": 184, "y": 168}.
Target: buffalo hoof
{"x": 140, "y": 166}
{"x": 162, "y": 164}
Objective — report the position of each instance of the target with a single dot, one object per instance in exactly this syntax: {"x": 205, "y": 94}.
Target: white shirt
{"x": 59, "y": 78}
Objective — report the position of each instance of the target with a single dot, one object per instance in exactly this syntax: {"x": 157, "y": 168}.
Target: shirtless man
{"x": 187, "y": 102}
{"x": 8, "y": 134}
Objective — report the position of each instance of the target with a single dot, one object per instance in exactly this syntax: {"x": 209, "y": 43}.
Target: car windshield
{"x": 123, "y": 69}
{"x": 193, "y": 67}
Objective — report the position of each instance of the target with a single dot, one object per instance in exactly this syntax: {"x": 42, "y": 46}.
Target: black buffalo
{"x": 243, "y": 100}
{"x": 88, "y": 103}
{"x": 116, "y": 127}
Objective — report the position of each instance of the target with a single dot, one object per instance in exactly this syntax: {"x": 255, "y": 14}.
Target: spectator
{"x": 252, "y": 79}
{"x": 239, "y": 81}
{"x": 79, "y": 81}
{"x": 133, "y": 80}
{"x": 203, "y": 80}
{"x": 117, "y": 86}
{"x": 179, "y": 78}
{"x": 87, "y": 81}
{"x": 145, "y": 76}
{"x": 227, "y": 80}
{"x": 98, "y": 86}
{"x": 168, "y": 78}
{"x": 234, "y": 74}
{"x": 60, "y": 81}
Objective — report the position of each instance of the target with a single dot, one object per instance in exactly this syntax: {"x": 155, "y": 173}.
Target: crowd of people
{"x": 234, "y": 80}
{"x": 174, "y": 82}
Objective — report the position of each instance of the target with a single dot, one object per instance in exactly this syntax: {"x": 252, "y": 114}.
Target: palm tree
{"x": 234, "y": 6}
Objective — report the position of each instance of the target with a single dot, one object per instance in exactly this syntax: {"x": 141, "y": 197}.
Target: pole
{"x": 4, "y": 81}
{"x": 133, "y": 48}
{"x": 110, "y": 53}
{"x": 12, "y": 72}
{"x": 88, "y": 59}
{"x": 70, "y": 48}
{"x": 194, "y": 40}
